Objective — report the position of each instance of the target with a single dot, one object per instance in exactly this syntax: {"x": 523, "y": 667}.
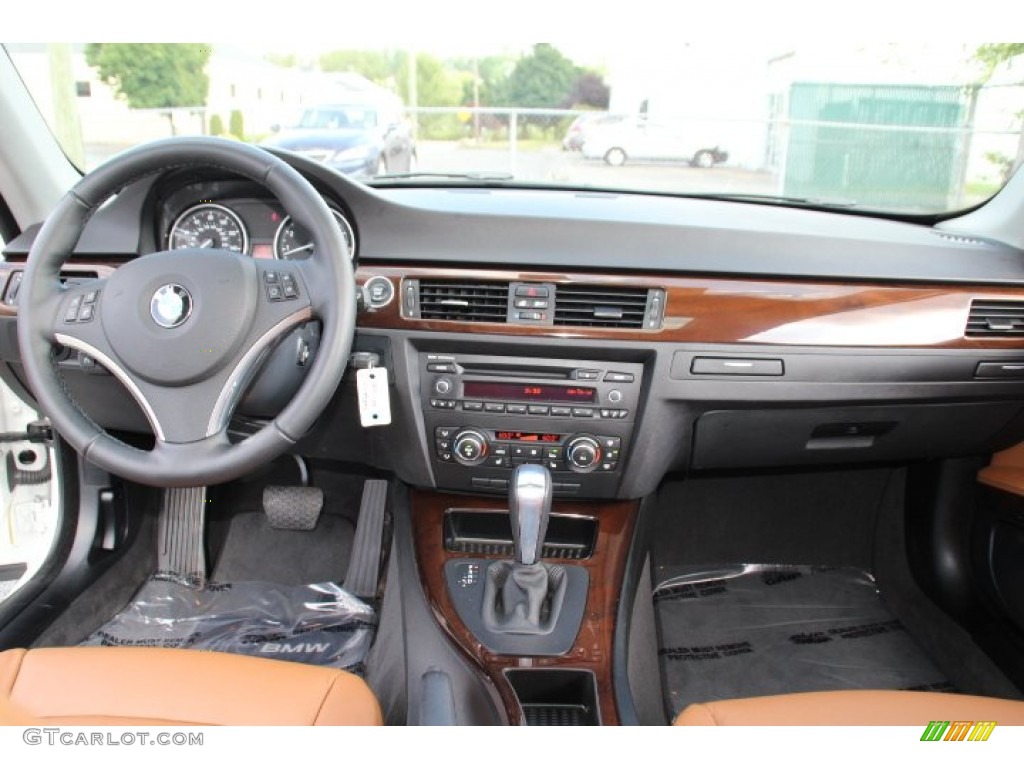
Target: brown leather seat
{"x": 853, "y": 708}
{"x": 158, "y": 686}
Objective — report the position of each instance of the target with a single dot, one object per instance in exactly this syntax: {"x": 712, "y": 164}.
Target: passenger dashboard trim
{"x": 712, "y": 310}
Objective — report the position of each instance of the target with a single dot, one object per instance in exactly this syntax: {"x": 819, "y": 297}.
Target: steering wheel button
{"x": 270, "y": 277}
{"x": 90, "y": 297}
{"x": 86, "y": 313}
{"x": 274, "y": 293}
{"x": 72, "y": 312}
{"x": 290, "y": 291}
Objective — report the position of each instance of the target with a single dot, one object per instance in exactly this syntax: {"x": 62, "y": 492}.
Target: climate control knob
{"x": 583, "y": 453}
{"x": 470, "y": 447}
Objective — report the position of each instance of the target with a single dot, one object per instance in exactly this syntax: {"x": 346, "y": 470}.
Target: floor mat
{"x": 756, "y": 630}
{"x": 252, "y": 550}
{"x": 315, "y": 624}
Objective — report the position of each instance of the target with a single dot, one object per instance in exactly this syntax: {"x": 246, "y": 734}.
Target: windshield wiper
{"x": 472, "y": 176}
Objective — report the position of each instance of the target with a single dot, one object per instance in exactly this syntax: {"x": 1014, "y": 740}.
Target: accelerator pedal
{"x": 364, "y": 563}
{"x": 292, "y": 507}
{"x": 180, "y": 526}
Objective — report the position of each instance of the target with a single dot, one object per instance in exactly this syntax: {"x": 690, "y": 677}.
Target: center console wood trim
{"x": 592, "y": 649}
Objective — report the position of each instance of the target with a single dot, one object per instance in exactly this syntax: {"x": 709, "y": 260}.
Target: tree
{"x": 216, "y": 125}
{"x": 236, "y": 125}
{"x": 149, "y": 75}
{"x": 543, "y": 79}
{"x": 436, "y": 85}
{"x": 589, "y": 90}
{"x": 381, "y": 67}
{"x": 994, "y": 54}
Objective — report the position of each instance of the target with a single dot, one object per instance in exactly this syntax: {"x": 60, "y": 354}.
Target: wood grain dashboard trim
{"x": 711, "y": 310}
{"x": 739, "y": 311}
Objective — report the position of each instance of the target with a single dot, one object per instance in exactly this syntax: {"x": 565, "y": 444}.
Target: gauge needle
{"x": 206, "y": 243}
{"x": 300, "y": 249}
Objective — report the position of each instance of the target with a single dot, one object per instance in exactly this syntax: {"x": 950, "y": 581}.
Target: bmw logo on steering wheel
{"x": 171, "y": 305}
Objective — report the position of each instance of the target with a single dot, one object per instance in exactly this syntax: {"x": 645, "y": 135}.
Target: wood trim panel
{"x": 1005, "y": 471}
{"x": 593, "y": 647}
{"x": 741, "y": 311}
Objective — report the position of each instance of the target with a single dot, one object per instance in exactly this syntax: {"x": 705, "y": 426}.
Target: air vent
{"x": 607, "y": 307}
{"x": 960, "y": 239}
{"x": 464, "y": 300}
{"x": 995, "y": 318}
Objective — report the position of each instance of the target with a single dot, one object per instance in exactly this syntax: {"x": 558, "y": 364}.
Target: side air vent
{"x": 608, "y": 307}
{"x": 463, "y": 300}
{"x": 995, "y": 318}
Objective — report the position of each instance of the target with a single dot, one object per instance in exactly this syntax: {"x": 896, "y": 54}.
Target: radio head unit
{"x": 484, "y": 414}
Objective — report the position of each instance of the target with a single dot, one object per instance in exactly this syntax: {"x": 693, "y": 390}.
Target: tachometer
{"x": 208, "y": 225}
{"x": 292, "y": 241}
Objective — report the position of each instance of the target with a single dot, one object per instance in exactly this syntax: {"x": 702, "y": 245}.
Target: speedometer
{"x": 292, "y": 241}
{"x": 208, "y": 225}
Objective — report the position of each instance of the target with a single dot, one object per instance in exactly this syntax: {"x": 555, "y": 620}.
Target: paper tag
{"x": 374, "y": 399}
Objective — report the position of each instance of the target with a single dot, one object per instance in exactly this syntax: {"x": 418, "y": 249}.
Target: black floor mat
{"x": 253, "y": 551}
{"x": 758, "y": 630}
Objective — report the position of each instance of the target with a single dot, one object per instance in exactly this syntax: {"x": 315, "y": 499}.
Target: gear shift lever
{"x": 529, "y": 506}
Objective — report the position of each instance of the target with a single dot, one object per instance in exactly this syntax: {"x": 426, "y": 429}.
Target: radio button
{"x": 494, "y": 407}
{"x": 515, "y": 408}
{"x": 587, "y": 375}
{"x": 441, "y": 367}
{"x": 557, "y": 410}
{"x": 583, "y": 412}
{"x": 538, "y": 410}
{"x": 472, "y": 405}
{"x": 624, "y": 378}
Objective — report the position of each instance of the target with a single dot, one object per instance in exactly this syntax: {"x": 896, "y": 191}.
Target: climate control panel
{"x": 505, "y": 449}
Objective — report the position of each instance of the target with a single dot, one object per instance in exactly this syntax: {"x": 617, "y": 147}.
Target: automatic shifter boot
{"x": 523, "y": 599}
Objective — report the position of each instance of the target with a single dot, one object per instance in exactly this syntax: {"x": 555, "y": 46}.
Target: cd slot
{"x": 520, "y": 371}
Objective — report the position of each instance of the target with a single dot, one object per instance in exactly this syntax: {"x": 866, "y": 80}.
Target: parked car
{"x": 644, "y": 138}
{"x": 583, "y": 125}
{"x": 365, "y": 137}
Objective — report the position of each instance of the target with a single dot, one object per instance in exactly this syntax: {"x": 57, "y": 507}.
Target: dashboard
{"x": 612, "y": 337}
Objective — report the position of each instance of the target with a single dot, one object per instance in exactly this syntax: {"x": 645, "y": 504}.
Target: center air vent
{"x": 468, "y": 301}
{"x": 608, "y": 307}
{"x": 995, "y": 318}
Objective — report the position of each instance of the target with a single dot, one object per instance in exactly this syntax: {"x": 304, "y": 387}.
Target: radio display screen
{"x": 546, "y": 393}
{"x": 529, "y": 437}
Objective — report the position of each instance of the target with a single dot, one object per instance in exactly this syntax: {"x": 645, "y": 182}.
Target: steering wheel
{"x": 185, "y": 331}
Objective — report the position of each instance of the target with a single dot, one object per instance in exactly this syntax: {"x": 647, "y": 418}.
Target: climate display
{"x": 500, "y": 390}
{"x": 529, "y": 437}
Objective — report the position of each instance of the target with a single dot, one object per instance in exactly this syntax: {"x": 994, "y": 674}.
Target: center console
{"x": 487, "y": 415}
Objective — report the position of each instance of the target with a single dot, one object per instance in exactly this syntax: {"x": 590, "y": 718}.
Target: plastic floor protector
{"x": 757, "y": 630}
{"x": 315, "y": 624}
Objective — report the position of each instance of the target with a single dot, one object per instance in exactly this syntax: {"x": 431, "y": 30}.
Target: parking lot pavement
{"x": 554, "y": 166}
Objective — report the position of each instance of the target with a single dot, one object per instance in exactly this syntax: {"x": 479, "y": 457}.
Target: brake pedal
{"x": 180, "y": 526}
{"x": 293, "y": 507}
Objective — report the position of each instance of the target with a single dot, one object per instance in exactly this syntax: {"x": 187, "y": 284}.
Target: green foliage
{"x": 236, "y": 126}
{"x": 436, "y": 85}
{"x": 381, "y": 67}
{"x": 287, "y": 60}
{"x": 216, "y": 126}
{"x": 542, "y": 79}
{"x": 150, "y": 75}
{"x": 994, "y": 54}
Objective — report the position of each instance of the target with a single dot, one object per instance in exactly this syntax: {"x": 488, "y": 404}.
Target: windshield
{"x": 905, "y": 128}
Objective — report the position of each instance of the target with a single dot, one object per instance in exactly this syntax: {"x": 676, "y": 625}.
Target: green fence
{"x": 892, "y": 146}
